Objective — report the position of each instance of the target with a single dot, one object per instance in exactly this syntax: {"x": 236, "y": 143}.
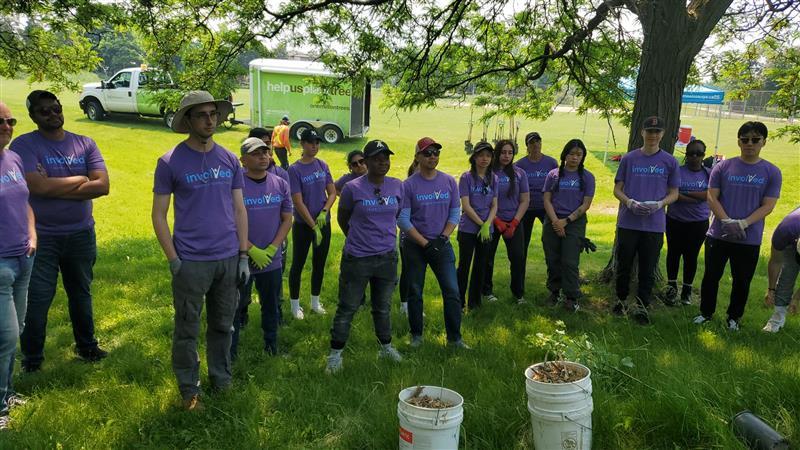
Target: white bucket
{"x": 561, "y": 413}
{"x": 428, "y": 428}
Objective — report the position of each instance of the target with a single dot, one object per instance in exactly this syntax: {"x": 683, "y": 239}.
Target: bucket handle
{"x": 577, "y": 423}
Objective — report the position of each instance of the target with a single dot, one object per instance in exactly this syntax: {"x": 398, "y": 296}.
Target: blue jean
{"x": 380, "y": 272}
{"x": 15, "y": 273}
{"x": 74, "y": 256}
{"x": 443, "y": 264}
{"x": 268, "y": 286}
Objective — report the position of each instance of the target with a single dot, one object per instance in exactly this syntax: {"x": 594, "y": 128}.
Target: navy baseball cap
{"x": 310, "y": 135}
{"x": 376, "y": 147}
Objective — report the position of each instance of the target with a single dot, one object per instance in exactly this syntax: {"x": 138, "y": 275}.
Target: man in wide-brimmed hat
{"x": 207, "y": 252}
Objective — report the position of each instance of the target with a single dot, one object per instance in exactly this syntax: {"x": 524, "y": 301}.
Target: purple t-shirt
{"x": 13, "y": 206}
{"x": 742, "y": 187}
{"x": 310, "y": 180}
{"x": 205, "y": 229}
{"x": 344, "y": 179}
{"x": 646, "y": 178}
{"x": 265, "y": 200}
{"x": 373, "y": 221}
{"x": 430, "y": 202}
{"x": 275, "y": 169}
{"x": 788, "y": 231}
{"x": 480, "y": 193}
{"x": 74, "y": 155}
{"x": 536, "y": 173}
{"x": 569, "y": 195}
{"x": 507, "y": 206}
{"x": 692, "y": 211}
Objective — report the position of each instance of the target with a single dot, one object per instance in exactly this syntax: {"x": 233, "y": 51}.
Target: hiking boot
{"x": 733, "y": 325}
{"x": 571, "y": 305}
{"x": 639, "y": 313}
{"x": 701, "y": 319}
{"x": 775, "y": 323}
{"x": 687, "y": 299}
{"x": 670, "y": 296}
{"x": 459, "y": 345}
{"x": 192, "y": 403}
{"x": 389, "y": 352}
{"x": 489, "y": 298}
{"x": 416, "y": 341}
{"x": 91, "y": 355}
{"x": 620, "y": 309}
{"x": 553, "y": 298}
{"x": 30, "y": 367}
{"x": 334, "y": 362}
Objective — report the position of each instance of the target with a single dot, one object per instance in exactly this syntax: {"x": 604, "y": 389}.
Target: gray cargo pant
{"x": 214, "y": 281}
{"x": 787, "y": 278}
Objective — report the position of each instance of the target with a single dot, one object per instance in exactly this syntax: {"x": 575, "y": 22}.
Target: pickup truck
{"x": 126, "y": 93}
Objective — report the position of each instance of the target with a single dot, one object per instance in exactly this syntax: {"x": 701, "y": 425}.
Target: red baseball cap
{"x": 426, "y": 142}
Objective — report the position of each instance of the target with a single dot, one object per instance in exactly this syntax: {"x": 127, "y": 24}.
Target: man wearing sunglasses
{"x": 431, "y": 211}
{"x": 64, "y": 172}
{"x": 742, "y": 192}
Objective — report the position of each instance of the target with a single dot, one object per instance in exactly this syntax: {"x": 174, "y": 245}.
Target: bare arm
{"x": 343, "y": 218}
{"x": 469, "y": 211}
{"x": 715, "y": 205}
{"x": 581, "y": 210}
{"x": 97, "y": 186}
{"x": 301, "y": 209}
{"x": 448, "y": 229}
{"x": 619, "y": 192}
{"x": 240, "y": 217}
{"x": 547, "y": 197}
{"x": 32, "y": 237}
{"x": 672, "y": 196}
{"x": 693, "y": 196}
{"x": 774, "y": 267}
{"x": 330, "y": 189}
{"x": 767, "y": 205}
{"x": 524, "y": 201}
{"x": 161, "y": 226}
{"x": 41, "y": 185}
{"x": 283, "y": 229}
{"x": 492, "y": 211}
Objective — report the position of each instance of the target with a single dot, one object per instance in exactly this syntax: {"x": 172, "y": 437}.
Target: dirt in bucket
{"x": 556, "y": 372}
{"x": 426, "y": 401}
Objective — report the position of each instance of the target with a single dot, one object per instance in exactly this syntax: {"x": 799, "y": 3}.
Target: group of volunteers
{"x": 233, "y": 217}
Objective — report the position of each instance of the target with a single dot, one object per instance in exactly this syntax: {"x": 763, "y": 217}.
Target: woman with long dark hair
{"x": 513, "y": 196}
{"x": 478, "y": 191}
{"x": 568, "y": 192}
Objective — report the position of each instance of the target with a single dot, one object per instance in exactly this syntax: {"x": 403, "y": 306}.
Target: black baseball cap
{"x": 310, "y": 135}
{"x": 653, "y": 123}
{"x": 36, "y": 96}
{"x": 376, "y": 147}
{"x": 532, "y": 136}
{"x": 479, "y": 147}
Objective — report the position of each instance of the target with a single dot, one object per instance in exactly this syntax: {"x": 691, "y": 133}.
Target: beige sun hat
{"x": 194, "y": 98}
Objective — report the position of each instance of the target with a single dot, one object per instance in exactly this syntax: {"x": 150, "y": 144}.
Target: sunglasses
{"x": 10, "y": 121}
{"x": 358, "y": 162}
{"x": 55, "y": 109}
{"x": 430, "y": 152}
{"x": 754, "y": 140}
{"x": 381, "y": 200}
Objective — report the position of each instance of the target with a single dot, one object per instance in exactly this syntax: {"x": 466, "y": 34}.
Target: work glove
{"x": 259, "y": 257}
{"x": 243, "y": 272}
{"x": 638, "y": 208}
{"x": 434, "y": 246}
{"x": 499, "y": 225}
{"x": 322, "y": 218}
{"x": 654, "y": 206}
{"x": 317, "y": 236}
{"x": 485, "y": 233}
{"x": 512, "y": 227}
{"x": 271, "y": 251}
{"x": 734, "y": 229}
{"x": 587, "y": 245}
{"x": 175, "y": 266}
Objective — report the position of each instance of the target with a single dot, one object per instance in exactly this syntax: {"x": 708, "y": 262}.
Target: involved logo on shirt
{"x": 655, "y": 170}
{"x": 313, "y": 177}
{"x": 262, "y": 201}
{"x": 11, "y": 176}
{"x": 212, "y": 174}
{"x": 570, "y": 185}
{"x": 747, "y": 180}
{"x": 69, "y": 161}
{"x": 433, "y": 197}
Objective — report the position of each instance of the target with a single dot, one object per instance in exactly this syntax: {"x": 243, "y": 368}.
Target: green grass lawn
{"x": 686, "y": 382}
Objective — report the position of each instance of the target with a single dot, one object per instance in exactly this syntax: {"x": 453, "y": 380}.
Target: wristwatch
{"x": 568, "y": 219}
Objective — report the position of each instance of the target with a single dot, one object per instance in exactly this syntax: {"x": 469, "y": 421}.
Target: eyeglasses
{"x": 358, "y": 162}
{"x": 211, "y": 116}
{"x": 10, "y": 121}
{"x": 55, "y": 109}
{"x": 754, "y": 140}
{"x": 381, "y": 200}
{"x": 430, "y": 152}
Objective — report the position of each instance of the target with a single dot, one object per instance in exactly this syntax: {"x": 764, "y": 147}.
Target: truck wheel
{"x": 298, "y": 128}
{"x": 331, "y": 134}
{"x": 94, "y": 111}
{"x": 168, "y": 118}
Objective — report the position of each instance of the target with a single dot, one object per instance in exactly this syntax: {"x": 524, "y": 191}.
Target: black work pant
{"x": 645, "y": 244}
{"x": 302, "y": 239}
{"x": 527, "y": 224}
{"x": 282, "y": 157}
{"x": 516, "y": 259}
{"x": 471, "y": 252}
{"x": 684, "y": 240}
{"x": 743, "y": 259}
{"x": 563, "y": 257}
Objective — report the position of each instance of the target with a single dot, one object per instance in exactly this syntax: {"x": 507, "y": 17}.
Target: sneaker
{"x": 459, "y": 345}
{"x": 5, "y": 422}
{"x": 687, "y": 299}
{"x": 298, "y": 313}
{"x": 553, "y": 298}
{"x": 416, "y": 341}
{"x": 670, "y": 296}
{"x": 489, "y": 298}
{"x": 192, "y": 403}
{"x": 334, "y": 363}
{"x": 16, "y": 400}
{"x": 571, "y": 305}
{"x": 92, "y": 355}
{"x": 521, "y": 301}
{"x": 701, "y": 319}
{"x": 318, "y": 309}
{"x": 619, "y": 308}
{"x": 387, "y": 351}
{"x": 30, "y": 367}
{"x": 639, "y": 314}
{"x": 775, "y": 323}
{"x": 733, "y": 325}
{"x": 404, "y": 308}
